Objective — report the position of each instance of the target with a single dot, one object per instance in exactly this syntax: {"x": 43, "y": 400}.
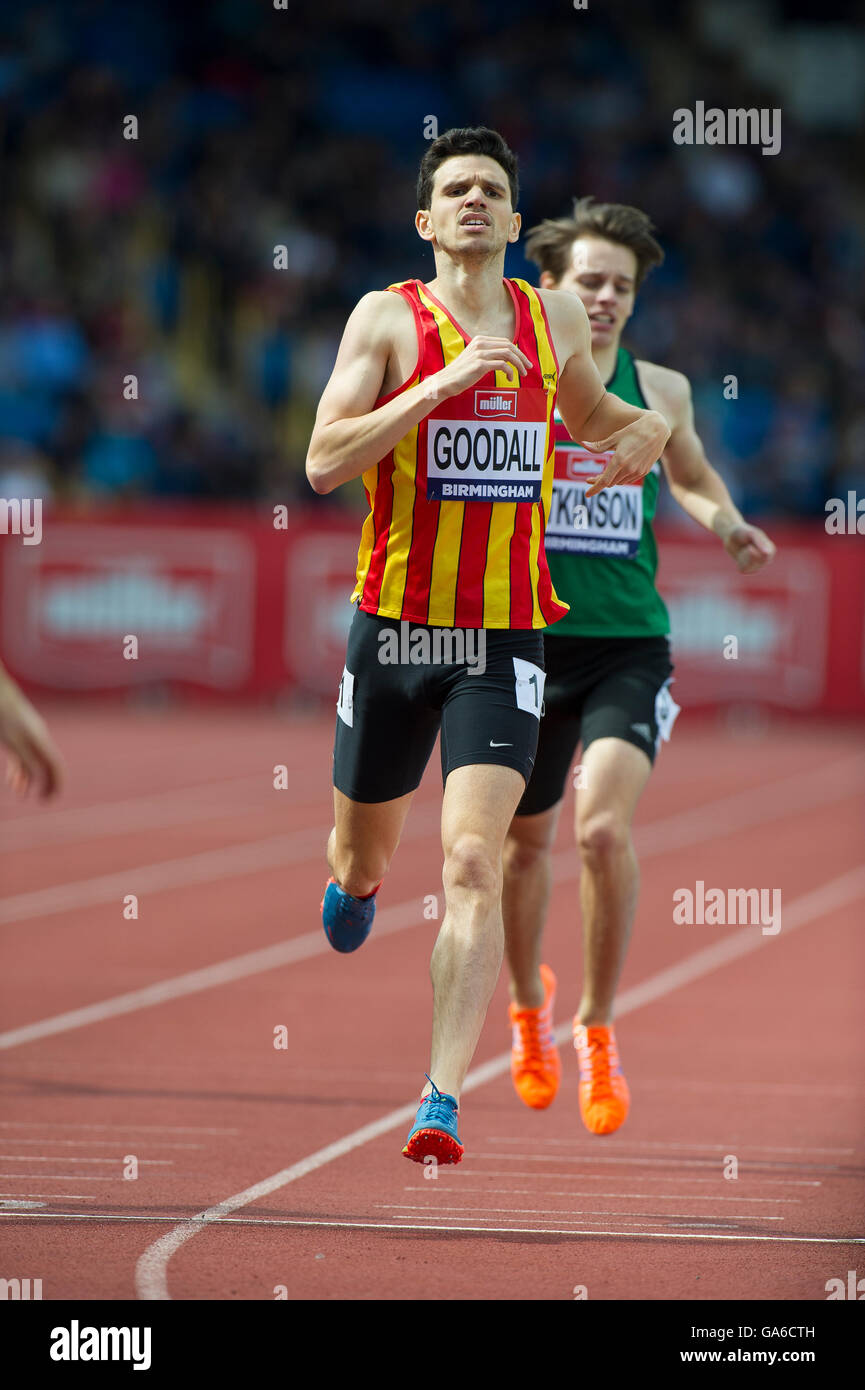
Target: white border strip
{"x": 403, "y": 1226}
{"x": 151, "y": 1271}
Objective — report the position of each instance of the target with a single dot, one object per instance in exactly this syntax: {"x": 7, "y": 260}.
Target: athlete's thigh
{"x": 491, "y": 716}
{"x": 614, "y": 777}
{"x": 386, "y": 725}
{"x": 630, "y": 698}
{"x": 480, "y": 800}
{"x": 568, "y": 677}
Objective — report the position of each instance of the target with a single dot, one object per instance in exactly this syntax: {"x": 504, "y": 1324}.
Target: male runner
{"x": 608, "y": 666}
{"x": 442, "y": 398}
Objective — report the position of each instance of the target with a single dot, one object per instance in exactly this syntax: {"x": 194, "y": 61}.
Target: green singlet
{"x": 602, "y": 551}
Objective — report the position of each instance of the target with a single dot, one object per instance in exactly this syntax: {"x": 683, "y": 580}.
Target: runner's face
{"x": 470, "y": 210}
{"x": 602, "y": 274}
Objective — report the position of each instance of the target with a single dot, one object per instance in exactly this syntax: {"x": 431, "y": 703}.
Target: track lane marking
{"x": 73, "y": 825}
{"x": 399, "y": 917}
{"x": 207, "y": 866}
{"x": 559, "y": 1211}
{"x": 726, "y": 815}
{"x": 396, "y": 1226}
{"x": 151, "y": 1271}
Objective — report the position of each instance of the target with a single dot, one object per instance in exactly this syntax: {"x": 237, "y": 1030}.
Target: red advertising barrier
{"x": 244, "y": 604}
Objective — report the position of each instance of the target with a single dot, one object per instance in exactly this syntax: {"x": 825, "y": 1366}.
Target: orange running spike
{"x": 536, "y": 1066}
{"x": 604, "y": 1094}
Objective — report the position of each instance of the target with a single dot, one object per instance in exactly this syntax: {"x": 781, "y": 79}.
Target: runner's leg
{"x": 615, "y": 774}
{"x": 528, "y": 878}
{"x": 364, "y": 839}
{"x": 479, "y": 802}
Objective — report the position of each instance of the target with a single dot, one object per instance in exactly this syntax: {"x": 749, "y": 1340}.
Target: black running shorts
{"x": 598, "y": 687}
{"x": 403, "y": 681}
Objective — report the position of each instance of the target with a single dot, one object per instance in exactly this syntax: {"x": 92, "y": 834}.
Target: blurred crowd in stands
{"x": 149, "y": 347}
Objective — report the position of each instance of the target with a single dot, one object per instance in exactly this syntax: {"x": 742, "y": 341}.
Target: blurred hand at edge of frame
{"x": 32, "y": 757}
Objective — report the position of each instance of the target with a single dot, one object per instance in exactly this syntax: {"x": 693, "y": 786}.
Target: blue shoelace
{"x": 439, "y": 1109}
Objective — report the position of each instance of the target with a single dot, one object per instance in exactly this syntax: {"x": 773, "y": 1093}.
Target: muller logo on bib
{"x": 487, "y": 446}
{"x": 496, "y": 404}
{"x": 575, "y": 462}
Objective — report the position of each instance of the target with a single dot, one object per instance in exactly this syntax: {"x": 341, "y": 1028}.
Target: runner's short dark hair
{"x": 549, "y": 245}
{"x": 466, "y": 140}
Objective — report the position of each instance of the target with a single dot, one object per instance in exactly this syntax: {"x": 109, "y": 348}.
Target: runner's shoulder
{"x": 671, "y": 388}
{"x": 381, "y": 316}
{"x": 567, "y": 317}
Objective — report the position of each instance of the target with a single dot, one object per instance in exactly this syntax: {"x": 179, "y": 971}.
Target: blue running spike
{"x": 346, "y": 920}
{"x": 435, "y": 1129}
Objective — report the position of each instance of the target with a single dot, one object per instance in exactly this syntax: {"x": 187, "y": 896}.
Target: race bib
{"x": 666, "y": 710}
{"x": 345, "y": 699}
{"x": 529, "y": 686}
{"x": 609, "y": 524}
{"x": 487, "y": 446}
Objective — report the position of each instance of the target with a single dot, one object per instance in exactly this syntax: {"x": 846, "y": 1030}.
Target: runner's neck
{"x": 606, "y": 360}
{"x": 473, "y": 299}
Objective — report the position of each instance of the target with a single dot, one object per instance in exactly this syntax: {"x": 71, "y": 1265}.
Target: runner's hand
{"x": 636, "y": 447}
{"x": 482, "y": 356}
{"x": 32, "y": 756}
{"x": 749, "y": 547}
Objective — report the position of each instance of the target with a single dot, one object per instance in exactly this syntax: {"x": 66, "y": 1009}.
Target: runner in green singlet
{"x": 608, "y": 665}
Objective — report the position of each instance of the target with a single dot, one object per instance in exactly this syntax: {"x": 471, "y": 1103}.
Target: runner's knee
{"x": 358, "y": 872}
{"x": 602, "y": 835}
{"x": 470, "y": 866}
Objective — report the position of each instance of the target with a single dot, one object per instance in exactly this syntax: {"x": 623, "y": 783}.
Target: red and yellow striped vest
{"x": 457, "y": 510}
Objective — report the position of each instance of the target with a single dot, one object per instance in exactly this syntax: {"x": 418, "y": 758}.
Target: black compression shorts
{"x": 598, "y": 687}
{"x": 403, "y": 681}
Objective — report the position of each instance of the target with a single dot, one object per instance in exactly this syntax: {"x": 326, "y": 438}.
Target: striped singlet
{"x": 458, "y": 508}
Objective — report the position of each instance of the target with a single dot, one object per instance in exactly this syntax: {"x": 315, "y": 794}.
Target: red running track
{"x": 157, "y": 1143}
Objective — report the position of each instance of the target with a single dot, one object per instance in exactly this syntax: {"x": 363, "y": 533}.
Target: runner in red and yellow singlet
{"x": 478, "y": 562}
{"x": 442, "y": 399}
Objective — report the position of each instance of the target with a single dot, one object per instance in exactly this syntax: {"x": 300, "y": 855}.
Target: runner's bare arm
{"x": 694, "y": 483}
{"x": 32, "y": 756}
{"x": 350, "y": 435}
{"x": 593, "y": 415}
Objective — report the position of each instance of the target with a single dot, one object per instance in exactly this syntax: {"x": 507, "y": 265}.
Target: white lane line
{"x": 151, "y": 1271}
{"x": 96, "y": 1144}
{"x": 617, "y": 1196}
{"x": 747, "y": 1151}
{"x": 741, "y": 810}
{"x": 395, "y": 1226}
{"x": 399, "y": 917}
{"x": 558, "y": 1211}
{"x": 156, "y": 809}
{"x": 725, "y": 815}
{"x": 151, "y": 1129}
{"x": 677, "y": 1197}
{"x": 67, "y": 1158}
{"x": 603, "y": 1160}
{"x": 161, "y": 810}
{"x": 758, "y": 1088}
{"x": 589, "y": 1177}
{"x": 66, "y": 1177}
{"x": 388, "y": 920}
{"x": 605, "y": 1177}
{"x": 208, "y": 866}
{"x": 589, "y": 1221}
{"x": 54, "y": 1196}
